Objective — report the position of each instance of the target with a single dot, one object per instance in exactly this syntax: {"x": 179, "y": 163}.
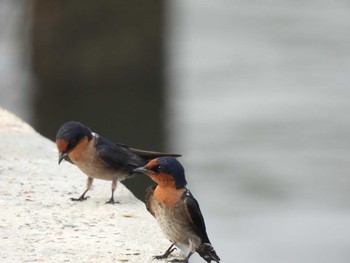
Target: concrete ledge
{"x": 39, "y": 223}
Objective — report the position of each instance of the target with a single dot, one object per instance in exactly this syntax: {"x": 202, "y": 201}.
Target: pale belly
{"x": 178, "y": 230}
{"x": 97, "y": 170}
{"x": 89, "y": 163}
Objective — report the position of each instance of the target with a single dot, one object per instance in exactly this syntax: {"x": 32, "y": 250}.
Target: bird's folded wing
{"x": 149, "y": 155}
{"x": 118, "y": 157}
{"x": 149, "y": 198}
{"x": 195, "y": 216}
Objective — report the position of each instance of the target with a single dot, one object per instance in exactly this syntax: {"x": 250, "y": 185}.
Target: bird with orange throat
{"x": 176, "y": 210}
{"x": 99, "y": 158}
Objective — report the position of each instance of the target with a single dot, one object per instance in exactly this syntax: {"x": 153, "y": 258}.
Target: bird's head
{"x": 69, "y": 136}
{"x": 165, "y": 171}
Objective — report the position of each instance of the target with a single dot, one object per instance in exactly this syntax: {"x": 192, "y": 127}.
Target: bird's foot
{"x": 112, "y": 202}
{"x": 81, "y": 198}
{"x": 165, "y": 255}
{"x": 179, "y": 260}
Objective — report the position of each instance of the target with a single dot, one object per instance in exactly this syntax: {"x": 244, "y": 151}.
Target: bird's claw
{"x": 81, "y": 198}
{"x": 158, "y": 257}
{"x": 112, "y": 202}
{"x": 179, "y": 260}
{"x": 165, "y": 255}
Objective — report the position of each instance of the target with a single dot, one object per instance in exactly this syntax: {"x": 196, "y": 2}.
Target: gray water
{"x": 259, "y": 107}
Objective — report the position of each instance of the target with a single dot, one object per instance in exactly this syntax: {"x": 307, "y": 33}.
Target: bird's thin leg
{"x": 114, "y": 186}
{"x": 166, "y": 253}
{"x": 185, "y": 260}
{"x": 88, "y": 186}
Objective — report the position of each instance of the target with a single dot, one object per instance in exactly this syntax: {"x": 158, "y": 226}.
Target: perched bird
{"x": 176, "y": 210}
{"x": 97, "y": 157}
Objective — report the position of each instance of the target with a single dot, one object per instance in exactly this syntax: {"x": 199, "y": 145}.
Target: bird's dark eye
{"x": 156, "y": 169}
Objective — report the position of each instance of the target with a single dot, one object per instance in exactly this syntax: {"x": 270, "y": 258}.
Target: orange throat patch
{"x": 79, "y": 153}
{"x": 168, "y": 195}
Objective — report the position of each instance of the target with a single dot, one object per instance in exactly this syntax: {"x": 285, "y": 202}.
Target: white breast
{"x": 176, "y": 228}
{"x": 89, "y": 163}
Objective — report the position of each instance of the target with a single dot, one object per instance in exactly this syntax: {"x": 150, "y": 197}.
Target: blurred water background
{"x": 257, "y": 101}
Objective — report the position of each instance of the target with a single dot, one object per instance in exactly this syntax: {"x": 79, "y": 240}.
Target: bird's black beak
{"x": 142, "y": 169}
{"x": 61, "y": 156}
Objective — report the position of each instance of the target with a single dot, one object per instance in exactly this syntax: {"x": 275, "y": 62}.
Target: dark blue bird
{"x": 176, "y": 210}
{"x": 97, "y": 157}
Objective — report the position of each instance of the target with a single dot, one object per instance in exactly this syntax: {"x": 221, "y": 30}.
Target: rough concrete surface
{"x": 39, "y": 223}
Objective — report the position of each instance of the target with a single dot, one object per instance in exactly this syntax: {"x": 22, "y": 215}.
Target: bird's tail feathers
{"x": 207, "y": 252}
